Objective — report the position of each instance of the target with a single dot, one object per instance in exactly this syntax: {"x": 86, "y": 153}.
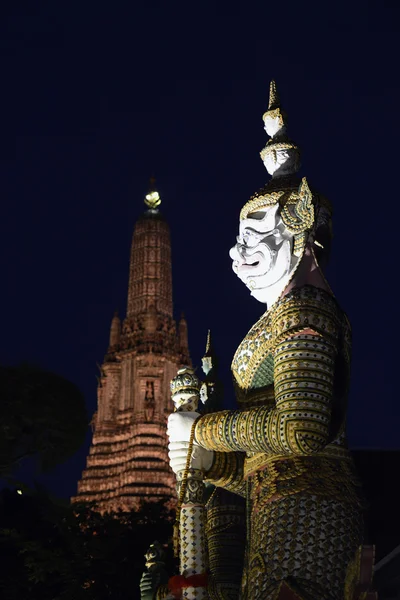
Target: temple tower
{"x": 128, "y": 457}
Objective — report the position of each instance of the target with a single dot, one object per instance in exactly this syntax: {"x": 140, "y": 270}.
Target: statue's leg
{"x": 305, "y": 542}
{"x": 226, "y": 534}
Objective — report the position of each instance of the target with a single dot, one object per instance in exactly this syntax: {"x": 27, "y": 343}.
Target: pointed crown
{"x": 274, "y": 105}
{"x": 302, "y": 212}
{"x": 273, "y": 96}
{"x": 279, "y": 140}
{"x": 185, "y": 381}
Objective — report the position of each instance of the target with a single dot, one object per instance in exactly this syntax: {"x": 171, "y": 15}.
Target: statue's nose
{"x": 235, "y": 253}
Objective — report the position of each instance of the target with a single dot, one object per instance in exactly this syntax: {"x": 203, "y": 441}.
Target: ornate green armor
{"x": 286, "y": 449}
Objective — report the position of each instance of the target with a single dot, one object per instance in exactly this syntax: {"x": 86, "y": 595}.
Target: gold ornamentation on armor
{"x": 295, "y": 466}
{"x": 227, "y": 472}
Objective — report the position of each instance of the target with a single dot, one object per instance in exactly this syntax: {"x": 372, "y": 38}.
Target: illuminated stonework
{"x": 128, "y": 458}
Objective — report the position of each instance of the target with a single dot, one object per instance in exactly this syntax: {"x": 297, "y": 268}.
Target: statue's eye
{"x": 274, "y": 232}
{"x": 247, "y": 236}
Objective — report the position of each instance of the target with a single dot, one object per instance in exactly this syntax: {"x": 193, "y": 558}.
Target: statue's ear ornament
{"x": 298, "y": 216}
{"x": 298, "y": 212}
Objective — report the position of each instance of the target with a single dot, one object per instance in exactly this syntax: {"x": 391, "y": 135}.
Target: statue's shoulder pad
{"x": 307, "y": 307}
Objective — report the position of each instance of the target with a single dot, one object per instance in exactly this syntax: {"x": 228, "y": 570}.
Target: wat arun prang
{"x": 128, "y": 457}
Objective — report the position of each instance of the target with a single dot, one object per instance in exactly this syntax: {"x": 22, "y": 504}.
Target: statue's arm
{"x": 150, "y": 588}
{"x": 227, "y": 472}
{"x": 304, "y": 363}
{"x": 303, "y": 382}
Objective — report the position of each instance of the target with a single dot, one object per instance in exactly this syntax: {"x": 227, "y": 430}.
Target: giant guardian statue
{"x": 284, "y": 449}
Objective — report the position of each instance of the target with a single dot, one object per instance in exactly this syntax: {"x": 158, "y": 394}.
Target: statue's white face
{"x": 206, "y": 364}
{"x": 262, "y": 255}
{"x": 203, "y": 393}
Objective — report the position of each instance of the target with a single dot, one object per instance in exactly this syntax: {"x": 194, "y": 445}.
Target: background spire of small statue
{"x": 211, "y": 393}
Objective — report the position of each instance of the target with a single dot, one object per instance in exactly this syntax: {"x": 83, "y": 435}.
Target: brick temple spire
{"x": 115, "y": 330}
{"x": 183, "y": 335}
{"x": 150, "y": 279}
{"x": 128, "y": 459}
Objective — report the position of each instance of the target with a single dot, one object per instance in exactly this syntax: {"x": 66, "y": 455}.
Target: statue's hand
{"x": 202, "y": 459}
{"x": 179, "y": 430}
{"x": 180, "y": 426}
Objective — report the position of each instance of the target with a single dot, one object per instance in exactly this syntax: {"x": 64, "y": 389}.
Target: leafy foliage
{"x": 56, "y": 552}
{"x": 42, "y": 415}
{"x": 51, "y": 550}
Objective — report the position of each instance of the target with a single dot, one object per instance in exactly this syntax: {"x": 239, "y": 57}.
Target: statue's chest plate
{"x": 253, "y": 363}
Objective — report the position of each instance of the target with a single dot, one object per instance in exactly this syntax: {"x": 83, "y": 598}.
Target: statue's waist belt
{"x": 275, "y": 476}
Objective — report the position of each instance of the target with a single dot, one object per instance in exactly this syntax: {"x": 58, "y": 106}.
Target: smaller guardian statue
{"x": 154, "y": 579}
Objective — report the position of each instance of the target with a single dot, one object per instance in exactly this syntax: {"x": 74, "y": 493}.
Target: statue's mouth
{"x": 247, "y": 266}
{"x": 249, "y": 262}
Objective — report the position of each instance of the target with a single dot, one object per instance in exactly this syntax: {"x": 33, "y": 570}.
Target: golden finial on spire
{"x": 273, "y": 96}
{"x": 152, "y": 199}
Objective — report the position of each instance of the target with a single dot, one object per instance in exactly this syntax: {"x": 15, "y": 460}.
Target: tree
{"x": 56, "y": 552}
{"x": 51, "y": 550}
{"x": 42, "y": 415}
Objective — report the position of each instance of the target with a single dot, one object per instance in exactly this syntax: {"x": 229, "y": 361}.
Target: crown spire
{"x": 273, "y": 96}
{"x": 281, "y": 156}
{"x": 152, "y": 199}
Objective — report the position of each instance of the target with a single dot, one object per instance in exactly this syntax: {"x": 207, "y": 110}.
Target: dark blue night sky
{"x": 97, "y": 96}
